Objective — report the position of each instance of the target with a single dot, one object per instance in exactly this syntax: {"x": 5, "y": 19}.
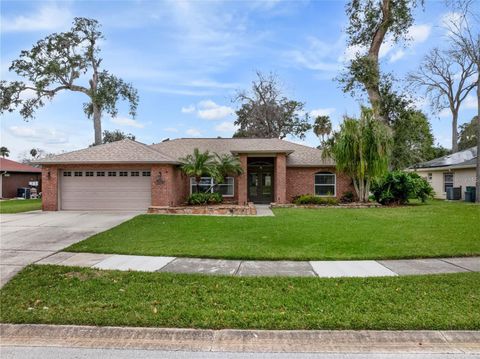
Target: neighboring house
{"x": 128, "y": 175}
{"x": 455, "y": 170}
{"x": 14, "y": 175}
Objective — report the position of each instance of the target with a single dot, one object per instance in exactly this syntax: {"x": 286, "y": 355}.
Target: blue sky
{"x": 187, "y": 59}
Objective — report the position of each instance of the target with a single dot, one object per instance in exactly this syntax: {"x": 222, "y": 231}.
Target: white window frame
{"x": 212, "y": 184}
{"x": 315, "y": 185}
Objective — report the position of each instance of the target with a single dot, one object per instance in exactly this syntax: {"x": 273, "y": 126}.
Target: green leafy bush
{"x": 311, "y": 199}
{"x": 204, "y": 198}
{"x": 397, "y": 187}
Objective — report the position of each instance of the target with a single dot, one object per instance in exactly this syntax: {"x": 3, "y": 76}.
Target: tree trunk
{"x": 455, "y": 131}
{"x": 97, "y": 124}
{"x": 477, "y": 183}
{"x": 372, "y": 87}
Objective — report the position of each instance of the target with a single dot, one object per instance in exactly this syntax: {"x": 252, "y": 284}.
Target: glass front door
{"x": 260, "y": 184}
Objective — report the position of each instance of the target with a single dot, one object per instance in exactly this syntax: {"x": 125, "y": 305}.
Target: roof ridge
{"x": 154, "y": 150}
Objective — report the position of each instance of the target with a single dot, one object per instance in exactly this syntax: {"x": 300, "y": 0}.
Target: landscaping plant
{"x": 201, "y": 164}
{"x": 311, "y": 199}
{"x": 397, "y": 187}
{"x": 361, "y": 149}
{"x": 203, "y": 198}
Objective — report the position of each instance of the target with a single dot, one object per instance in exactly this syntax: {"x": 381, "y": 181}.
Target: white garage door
{"x": 115, "y": 190}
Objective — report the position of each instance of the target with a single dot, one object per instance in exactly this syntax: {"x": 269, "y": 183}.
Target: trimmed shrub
{"x": 311, "y": 199}
{"x": 201, "y": 198}
{"x": 397, "y": 187}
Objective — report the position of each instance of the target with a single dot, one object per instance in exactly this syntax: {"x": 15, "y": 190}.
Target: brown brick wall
{"x": 280, "y": 179}
{"x": 301, "y": 180}
{"x": 50, "y": 188}
{"x": 241, "y": 183}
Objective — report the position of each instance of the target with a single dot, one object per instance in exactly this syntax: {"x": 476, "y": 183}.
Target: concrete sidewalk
{"x": 230, "y": 340}
{"x": 326, "y": 269}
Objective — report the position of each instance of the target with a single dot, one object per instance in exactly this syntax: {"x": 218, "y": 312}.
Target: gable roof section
{"x": 458, "y": 159}
{"x": 124, "y": 151}
{"x": 13, "y": 166}
{"x": 297, "y": 155}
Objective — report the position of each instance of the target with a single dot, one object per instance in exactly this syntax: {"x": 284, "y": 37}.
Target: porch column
{"x": 50, "y": 188}
{"x": 162, "y": 185}
{"x": 280, "y": 177}
{"x": 242, "y": 181}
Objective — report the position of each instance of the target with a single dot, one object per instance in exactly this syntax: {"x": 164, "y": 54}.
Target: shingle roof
{"x": 461, "y": 158}
{"x": 116, "y": 152}
{"x": 297, "y": 155}
{"x": 12, "y": 166}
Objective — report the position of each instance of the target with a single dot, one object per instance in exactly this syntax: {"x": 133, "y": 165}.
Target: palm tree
{"x": 198, "y": 165}
{"x": 226, "y": 165}
{"x": 4, "y": 152}
{"x": 322, "y": 127}
{"x": 361, "y": 150}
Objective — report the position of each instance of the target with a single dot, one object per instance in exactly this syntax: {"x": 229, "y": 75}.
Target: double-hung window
{"x": 325, "y": 183}
{"x": 447, "y": 181}
{"x": 207, "y": 184}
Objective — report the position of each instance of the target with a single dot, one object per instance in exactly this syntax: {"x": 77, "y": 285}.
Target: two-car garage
{"x": 105, "y": 189}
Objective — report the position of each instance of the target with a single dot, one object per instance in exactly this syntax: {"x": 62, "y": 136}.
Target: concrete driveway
{"x": 26, "y": 238}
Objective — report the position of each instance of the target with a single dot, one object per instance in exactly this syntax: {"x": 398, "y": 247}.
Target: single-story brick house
{"x": 128, "y": 175}
{"x": 455, "y": 170}
{"x": 14, "y": 175}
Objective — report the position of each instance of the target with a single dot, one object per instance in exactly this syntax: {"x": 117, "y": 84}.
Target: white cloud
{"x": 209, "y": 110}
{"x": 124, "y": 121}
{"x": 322, "y": 112}
{"x": 318, "y": 55}
{"x": 397, "y": 55}
{"x": 470, "y": 103}
{"x": 49, "y": 16}
{"x": 452, "y": 21}
{"x": 39, "y": 135}
{"x": 226, "y": 127}
{"x": 350, "y": 53}
{"x": 193, "y": 132}
{"x": 171, "y": 129}
{"x": 419, "y": 33}
{"x": 188, "y": 109}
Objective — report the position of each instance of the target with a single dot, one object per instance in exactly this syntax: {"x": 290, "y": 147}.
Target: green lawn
{"x": 435, "y": 229}
{"x": 20, "y": 205}
{"x": 72, "y": 295}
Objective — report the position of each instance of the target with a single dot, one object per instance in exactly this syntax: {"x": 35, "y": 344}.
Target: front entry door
{"x": 260, "y": 184}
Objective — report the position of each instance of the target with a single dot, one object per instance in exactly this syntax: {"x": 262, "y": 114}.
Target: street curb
{"x": 230, "y": 340}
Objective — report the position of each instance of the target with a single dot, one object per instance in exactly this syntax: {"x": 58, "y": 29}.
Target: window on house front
{"x": 447, "y": 181}
{"x": 134, "y": 173}
{"x": 67, "y": 174}
{"x": 112, "y": 174}
{"x": 123, "y": 173}
{"x": 207, "y": 184}
{"x": 100, "y": 174}
{"x": 325, "y": 183}
{"x": 78, "y": 174}
{"x": 89, "y": 173}
{"x": 146, "y": 173}
{"x": 429, "y": 177}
